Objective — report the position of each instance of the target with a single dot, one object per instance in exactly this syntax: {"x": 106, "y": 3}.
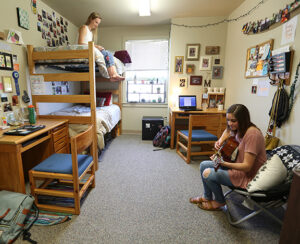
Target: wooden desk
{"x": 177, "y": 115}
{"x": 18, "y": 154}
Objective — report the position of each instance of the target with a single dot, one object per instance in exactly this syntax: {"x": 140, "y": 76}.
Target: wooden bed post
{"x": 92, "y": 82}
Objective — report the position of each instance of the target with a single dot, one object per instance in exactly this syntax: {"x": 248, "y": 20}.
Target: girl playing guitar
{"x": 251, "y": 156}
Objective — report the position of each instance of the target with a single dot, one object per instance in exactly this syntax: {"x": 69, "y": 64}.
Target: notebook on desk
{"x": 24, "y": 130}
{"x": 188, "y": 103}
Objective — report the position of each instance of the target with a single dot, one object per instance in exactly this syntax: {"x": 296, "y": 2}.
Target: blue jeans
{"x": 108, "y": 57}
{"x": 212, "y": 183}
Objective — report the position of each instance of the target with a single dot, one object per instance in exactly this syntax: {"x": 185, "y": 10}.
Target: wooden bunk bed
{"x": 87, "y": 78}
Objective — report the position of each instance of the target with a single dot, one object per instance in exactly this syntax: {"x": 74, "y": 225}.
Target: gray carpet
{"x": 142, "y": 196}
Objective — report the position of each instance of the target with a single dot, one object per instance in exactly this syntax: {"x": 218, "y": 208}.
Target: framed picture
{"x": 257, "y": 59}
{"x": 179, "y": 64}
{"x": 217, "y": 72}
{"x": 182, "y": 82}
{"x": 6, "y": 61}
{"x": 212, "y": 50}
{"x": 205, "y": 63}
{"x": 217, "y": 61}
{"x": 192, "y": 52}
{"x": 23, "y": 18}
{"x": 196, "y": 80}
{"x": 190, "y": 68}
{"x": 7, "y": 83}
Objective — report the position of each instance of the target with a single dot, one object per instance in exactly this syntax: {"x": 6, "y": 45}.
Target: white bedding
{"x": 99, "y": 59}
{"x": 106, "y": 119}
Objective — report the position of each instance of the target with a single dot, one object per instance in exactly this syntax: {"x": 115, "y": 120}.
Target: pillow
{"x": 270, "y": 174}
{"x": 100, "y": 101}
{"x": 106, "y": 95}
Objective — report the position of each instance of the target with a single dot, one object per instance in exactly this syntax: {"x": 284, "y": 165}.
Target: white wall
{"x": 180, "y": 37}
{"x": 239, "y": 88}
{"x": 113, "y": 38}
{"x": 8, "y": 15}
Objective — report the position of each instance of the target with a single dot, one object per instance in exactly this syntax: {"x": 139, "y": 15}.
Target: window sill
{"x": 146, "y": 105}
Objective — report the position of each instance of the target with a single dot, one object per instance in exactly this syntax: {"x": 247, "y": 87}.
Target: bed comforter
{"x": 106, "y": 119}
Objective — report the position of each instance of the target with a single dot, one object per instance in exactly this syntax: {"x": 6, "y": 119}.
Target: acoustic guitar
{"x": 225, "y": 153}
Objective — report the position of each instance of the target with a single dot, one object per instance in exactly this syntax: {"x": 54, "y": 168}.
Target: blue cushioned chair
{"x": 204, "y": 131}
{"x": 75, "y": 170}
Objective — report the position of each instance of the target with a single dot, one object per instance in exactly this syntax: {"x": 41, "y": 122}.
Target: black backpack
{"x": 162, "y": 138}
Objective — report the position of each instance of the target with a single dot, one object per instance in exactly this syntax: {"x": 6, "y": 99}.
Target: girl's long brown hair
{"x": 242, "y": 115}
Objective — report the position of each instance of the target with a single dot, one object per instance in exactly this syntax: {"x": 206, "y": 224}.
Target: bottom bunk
{"x": 108, "y": 120}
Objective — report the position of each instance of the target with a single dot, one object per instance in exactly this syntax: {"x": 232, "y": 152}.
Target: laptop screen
{"x": 188, "y": 102}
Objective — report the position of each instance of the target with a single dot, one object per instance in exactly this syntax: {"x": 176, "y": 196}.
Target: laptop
{"x": 187, "y": 102}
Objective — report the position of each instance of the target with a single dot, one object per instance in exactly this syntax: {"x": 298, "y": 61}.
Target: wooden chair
{"x": 204, "y": 130}
{"x": 74, "y": 170}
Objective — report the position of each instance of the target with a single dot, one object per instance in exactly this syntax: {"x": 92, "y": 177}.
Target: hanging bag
{"x": 271, "y": 141}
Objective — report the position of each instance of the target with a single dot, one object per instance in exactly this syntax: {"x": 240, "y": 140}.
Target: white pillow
{"x": 270, "y": 174}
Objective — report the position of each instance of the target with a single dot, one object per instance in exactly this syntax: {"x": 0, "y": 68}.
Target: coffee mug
{"x": 210, "y": 89}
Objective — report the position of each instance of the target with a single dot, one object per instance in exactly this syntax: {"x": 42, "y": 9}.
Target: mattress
{"x": 106, "y": 119}
{"x": 78, "y": 65}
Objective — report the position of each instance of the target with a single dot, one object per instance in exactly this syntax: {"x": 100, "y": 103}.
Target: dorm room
{"x": 135, "y": 192}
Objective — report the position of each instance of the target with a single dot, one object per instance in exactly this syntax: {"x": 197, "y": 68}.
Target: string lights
{"x": 222, "y": 21}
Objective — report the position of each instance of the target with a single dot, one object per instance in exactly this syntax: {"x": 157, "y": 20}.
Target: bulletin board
{"x": 257, "y": 59}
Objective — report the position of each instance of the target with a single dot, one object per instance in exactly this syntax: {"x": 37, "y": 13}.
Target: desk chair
{"x": 203, "y": 130}
{"x": 68, "y": 169}
{"x": 276, "y": 194}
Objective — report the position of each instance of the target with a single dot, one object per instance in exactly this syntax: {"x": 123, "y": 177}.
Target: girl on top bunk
{"x": 251, "y": 156}
{"x": 87, "y": 33}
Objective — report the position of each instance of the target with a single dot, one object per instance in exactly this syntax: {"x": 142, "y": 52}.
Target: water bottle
{"x": 32, "y": 115}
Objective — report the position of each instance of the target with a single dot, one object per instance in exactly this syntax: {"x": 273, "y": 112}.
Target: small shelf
{"x": 213, "y": 99}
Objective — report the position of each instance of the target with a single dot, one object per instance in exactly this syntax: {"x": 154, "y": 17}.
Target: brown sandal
{"x": 209, "y": 206}
{"x": 197, "y": 200}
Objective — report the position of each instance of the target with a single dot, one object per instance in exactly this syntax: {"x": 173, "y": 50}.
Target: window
{"x": 147, "y": 75}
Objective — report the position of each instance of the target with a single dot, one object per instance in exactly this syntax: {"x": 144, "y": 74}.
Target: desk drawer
{"x": 62, "y": 150}
{"x": 59, "y": 133}
{"x": 60, "y": 144}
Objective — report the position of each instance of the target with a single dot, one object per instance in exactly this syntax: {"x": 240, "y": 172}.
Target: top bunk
{"x": 69, "y": 55}
{"x": 71, "y": 58}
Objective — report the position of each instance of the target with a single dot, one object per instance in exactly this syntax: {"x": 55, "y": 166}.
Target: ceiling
{"x": 125, "y": 12}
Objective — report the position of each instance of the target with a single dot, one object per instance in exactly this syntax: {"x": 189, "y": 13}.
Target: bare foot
{"x": 116, "y": 78}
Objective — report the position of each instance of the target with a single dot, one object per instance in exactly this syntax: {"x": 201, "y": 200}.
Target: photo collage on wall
{"x": 54, "y": 29}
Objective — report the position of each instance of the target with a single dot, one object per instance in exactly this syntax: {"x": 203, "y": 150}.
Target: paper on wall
{"x": 263, "y": 88}
{"x": 14, "y": 37}
{"x": 289, "y": 30}
{"x": 37, "y": 84}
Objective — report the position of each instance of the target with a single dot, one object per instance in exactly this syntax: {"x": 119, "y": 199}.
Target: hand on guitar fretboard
{"x": 217, "y": 160}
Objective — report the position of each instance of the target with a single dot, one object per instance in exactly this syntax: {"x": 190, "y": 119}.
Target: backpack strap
{"x": 26, "y": 233}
